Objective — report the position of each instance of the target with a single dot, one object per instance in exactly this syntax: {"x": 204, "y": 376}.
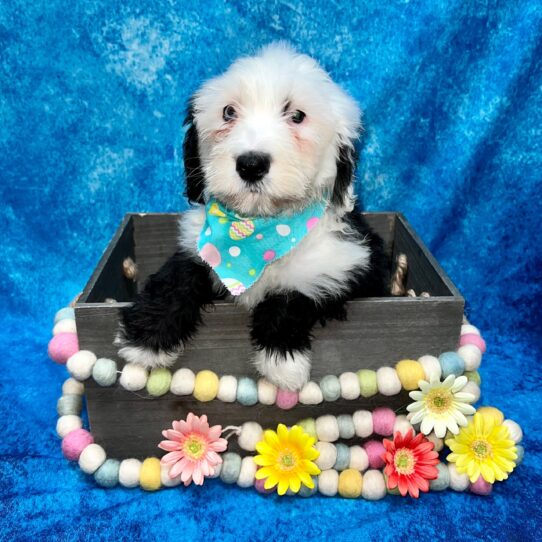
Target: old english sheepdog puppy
{"x": 269, "y": 148}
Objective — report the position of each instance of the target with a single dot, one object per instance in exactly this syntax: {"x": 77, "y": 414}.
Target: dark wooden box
{"x": 379, "y": 332}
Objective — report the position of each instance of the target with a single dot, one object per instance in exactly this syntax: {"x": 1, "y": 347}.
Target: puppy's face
{"x": 271, "y": 133}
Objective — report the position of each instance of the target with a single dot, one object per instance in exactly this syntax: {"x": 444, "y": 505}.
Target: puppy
{"x": 271, "y": 137}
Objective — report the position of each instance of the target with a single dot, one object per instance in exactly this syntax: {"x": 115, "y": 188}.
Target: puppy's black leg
{"x": 166, "y": 313}
{"x": 281, "y": 332}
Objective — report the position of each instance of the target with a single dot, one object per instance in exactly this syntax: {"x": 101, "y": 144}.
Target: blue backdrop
{"x": 91, "y": 103}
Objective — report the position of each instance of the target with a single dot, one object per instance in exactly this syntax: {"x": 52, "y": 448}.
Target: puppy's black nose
{"x": 252, "y": 166}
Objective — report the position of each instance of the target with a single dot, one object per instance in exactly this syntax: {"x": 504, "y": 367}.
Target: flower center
{"x": 287, "y": 460}
{"x": 439, "y": 400}
{"x": 194, "y": 447}
{"x": 404, "y": 461}
{"x": 481, "y": 449}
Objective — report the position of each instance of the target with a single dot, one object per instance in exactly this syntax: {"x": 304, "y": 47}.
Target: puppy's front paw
{"x": 289, "y": 372}
{"x": 142, "y": 355}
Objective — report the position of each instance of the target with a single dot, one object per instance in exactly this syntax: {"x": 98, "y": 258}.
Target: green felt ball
{"x": 367, "y": 383}
{"x": 159, "y": 381}
{"x": 69, "y": 404}
{"x": 231, "y": 467}
{"x": 108, "y": 474}
{"x": 104, "y": 372}
{"x": 443, "y": 480}
{"x": 331, "y": 388}
{"x": 309, "y": 426}
{"x": 305, "y": 491}
{"x": 473, "y": 376}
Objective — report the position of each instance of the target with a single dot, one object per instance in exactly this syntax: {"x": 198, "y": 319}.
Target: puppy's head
{"x": 272, "y": 133}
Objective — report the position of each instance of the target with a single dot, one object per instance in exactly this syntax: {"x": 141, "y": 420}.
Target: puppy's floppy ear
{"x": 346, "y": 164}
{"x": 192, "y": 165}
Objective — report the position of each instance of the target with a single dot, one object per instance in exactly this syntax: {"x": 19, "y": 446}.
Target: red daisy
{"x": 410, "y": 463}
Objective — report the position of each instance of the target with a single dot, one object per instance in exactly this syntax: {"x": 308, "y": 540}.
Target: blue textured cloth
{"x": 91, "y": 104}
{"x": 240, "y": 248}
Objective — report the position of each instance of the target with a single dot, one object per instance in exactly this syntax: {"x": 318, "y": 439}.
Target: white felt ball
{"x": 402, "y": 425}
{"x": 227, "y": 389}
{"x": 374, "y": 485}
{"x": 458, "y": 482}
{"x": 327, "y": 428}
{"x": 359, "y": 459}
{"x": 438, "y": 442}
{"x": 327, "y": 457}
{"x": 431, "y": 367}
{"x": 328, "y": 482}
{"x": 182, "y": 382}
{"x": 363, "y": 423}
{"x": 67, "y": 325}
{"x": 472, "y": 387}
{"x": 91, "y": 458}
{"x": 251, "y": 433}
{"x": 472, "y": 356}
{"x": 67, "y": 424}
{"x": 516, "y": 433}
{"x": 165, "y": 478}
{"x": 81, "y": 363}
{"x": 133, "y": 377}
{"x": 72, "y": 386}
{"x": 468, "y": 328}
{"x": 218, "y": 468}
{"x": 267, "y": 392}
{"x": 349, "y": 386}
{"x": 387, "y": 381}
{"x": 247, "y": 472}
{"x": 129, "y": 471}
{"x": 311, "y": 394}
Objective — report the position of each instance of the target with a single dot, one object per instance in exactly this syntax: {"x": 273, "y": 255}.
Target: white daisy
{"x": 441, "y": 406}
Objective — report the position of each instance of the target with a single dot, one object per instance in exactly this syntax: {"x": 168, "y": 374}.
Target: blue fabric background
{"x": 91, "y": 102}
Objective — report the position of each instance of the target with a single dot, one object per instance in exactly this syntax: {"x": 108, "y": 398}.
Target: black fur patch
{"x": 167, "y": 312}
{"x": 195, "y": 180}
{"x": 346, "y": 162}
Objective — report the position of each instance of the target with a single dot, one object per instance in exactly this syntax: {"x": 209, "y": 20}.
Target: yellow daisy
{"x": 286, "y": 459}
{"x": 483, "y": 447}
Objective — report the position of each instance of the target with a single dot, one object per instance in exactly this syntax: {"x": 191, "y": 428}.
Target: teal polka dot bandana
{"x": 239, "y": 248}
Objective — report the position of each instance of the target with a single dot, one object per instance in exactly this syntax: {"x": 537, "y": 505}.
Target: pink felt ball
{"x": 472, "y": 338}
{"x": 287, "y": 399}
{"x": 375, "y": 450}
{"x": 75, "y": 442}
{"x": 383, "y": 421}
{"x": 63, "y": 346}
{"x": 259, "y": 485}
{"x": 481, "y": 487}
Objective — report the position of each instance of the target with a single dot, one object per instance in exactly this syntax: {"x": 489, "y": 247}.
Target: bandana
{"x": 238, "y": 248}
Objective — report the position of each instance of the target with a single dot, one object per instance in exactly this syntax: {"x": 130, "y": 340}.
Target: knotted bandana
{"x": 238, "y": 248}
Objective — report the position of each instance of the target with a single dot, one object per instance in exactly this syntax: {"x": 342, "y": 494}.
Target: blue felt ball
{"x": 343, "y": 457}
{"x": 231, "y": 467}
{"x": 443, "y": 480}
{"x": 247, "y": 391}
{"x": 63, "y": 314}
{"x": 346, "y": 426}
{"x": 331, "y": 388}
{"x": 69, "y": 404}
{"x": 104, "y": 372}
{"x": 452, "y": 364}
{"x": 305, "y": 491}
{"x": 108, "y": 474}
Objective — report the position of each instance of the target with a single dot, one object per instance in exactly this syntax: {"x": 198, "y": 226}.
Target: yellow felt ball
{"x": 206, "y": 386}
{"x": 350, "y": 483}
{"x": 149, "y": 476}
{"x": 491, "y": 412}
{"x": 410, "y": 372}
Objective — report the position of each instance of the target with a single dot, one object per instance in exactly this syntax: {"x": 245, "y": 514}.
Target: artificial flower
{"x": 193, "y": 449}
{"x": 286, "y": 459}
{"x": 410, "y": 463}
{"x": 483, "y": 448}
{"x": 441, "y": 406}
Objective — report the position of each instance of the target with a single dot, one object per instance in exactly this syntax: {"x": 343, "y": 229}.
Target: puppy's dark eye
{"x": 297, "y": 116}
{"x": 229, "y": 113}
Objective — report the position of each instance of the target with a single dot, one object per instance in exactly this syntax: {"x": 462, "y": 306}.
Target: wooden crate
{"x": 379, "y": 332}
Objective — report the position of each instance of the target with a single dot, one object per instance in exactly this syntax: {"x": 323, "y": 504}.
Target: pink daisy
{"x": 193, "y": 449}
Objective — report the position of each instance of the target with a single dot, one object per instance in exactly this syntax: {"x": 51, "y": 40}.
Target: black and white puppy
{"x": 271, "y": 135}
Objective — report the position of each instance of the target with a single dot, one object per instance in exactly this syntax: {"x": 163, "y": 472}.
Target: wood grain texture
{"x": 378, "y": 332}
